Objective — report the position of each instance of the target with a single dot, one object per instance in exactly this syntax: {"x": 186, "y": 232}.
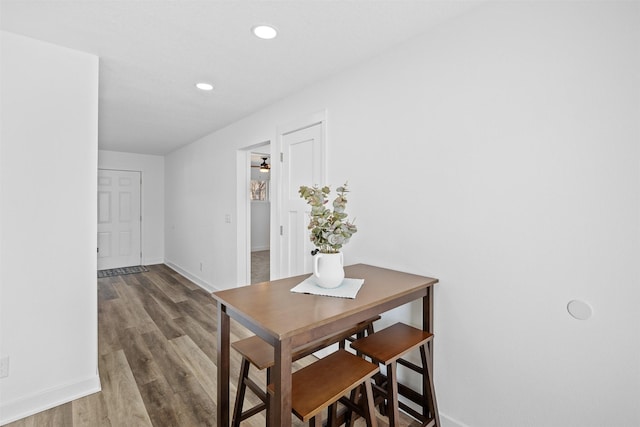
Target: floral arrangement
{"x": 330, "y": 229}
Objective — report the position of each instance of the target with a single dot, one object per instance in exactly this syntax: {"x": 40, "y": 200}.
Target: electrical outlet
{"x": 227, "y": 218}
{"x": 4, "y": 367}
{"x": 200, "y": 266}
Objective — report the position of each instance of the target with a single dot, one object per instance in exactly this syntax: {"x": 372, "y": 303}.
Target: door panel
{"x": 104, "y": 207}
{"x": 118, "y": 219}
{"x": 104, "y": 246}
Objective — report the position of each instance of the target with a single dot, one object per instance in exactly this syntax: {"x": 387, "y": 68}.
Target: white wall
{"x": 152, "y": 168}
{"x": 194, "y": 216}
{"x": 509, "y": 142}
{"x": 260, "y": 224}
{"x": 48, "y": 175}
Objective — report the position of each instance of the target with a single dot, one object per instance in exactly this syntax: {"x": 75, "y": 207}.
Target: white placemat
{"x": 348, "y": 289}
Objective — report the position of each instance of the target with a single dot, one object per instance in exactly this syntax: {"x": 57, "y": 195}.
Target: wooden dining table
{"x": 287, "y": 320}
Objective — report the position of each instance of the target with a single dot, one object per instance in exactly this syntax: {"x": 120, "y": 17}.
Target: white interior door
{"x": 302, "y": 164}
{"x": 118, "y": 219}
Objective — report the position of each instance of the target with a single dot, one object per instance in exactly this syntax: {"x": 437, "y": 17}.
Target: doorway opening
{"x": 254, "y": 204}
{"x": 260, "y": 212}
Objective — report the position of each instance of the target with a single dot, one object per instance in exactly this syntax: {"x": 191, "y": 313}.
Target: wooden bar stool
{"x": 323, "y": 383}
{"x": 257, "y": 352}
{"x": 387, "y": 347}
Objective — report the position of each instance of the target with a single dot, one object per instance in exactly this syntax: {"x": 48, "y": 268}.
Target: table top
{"x": 280, "y": 313}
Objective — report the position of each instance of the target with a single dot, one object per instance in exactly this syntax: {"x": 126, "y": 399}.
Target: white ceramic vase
{"x": 328, "y": 269}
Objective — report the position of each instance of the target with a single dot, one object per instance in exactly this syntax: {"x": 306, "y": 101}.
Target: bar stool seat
{"x": 257, "y": 352}
{"x": 387, "y": 347}
{"x": 324, "y": 382}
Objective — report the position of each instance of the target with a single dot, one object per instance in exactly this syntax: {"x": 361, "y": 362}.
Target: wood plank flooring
{"x": 157, "y": 358}
{"x": 260, "y": 267}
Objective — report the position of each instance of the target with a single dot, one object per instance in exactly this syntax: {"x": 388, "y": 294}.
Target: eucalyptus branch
{"x": 329, "y": 229}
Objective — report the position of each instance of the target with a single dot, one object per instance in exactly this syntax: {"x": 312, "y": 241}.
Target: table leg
{"x": 427, "y": 310}
{"x": 224, "y": 339}
{"x": 281, "y": 375}
{"x": 427, "y": 315}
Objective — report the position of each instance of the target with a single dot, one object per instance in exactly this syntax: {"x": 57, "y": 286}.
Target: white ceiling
{"x": 152, "y": 52}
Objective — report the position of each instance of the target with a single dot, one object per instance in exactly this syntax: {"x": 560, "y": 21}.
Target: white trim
{"x": 319, "y": 117}
{"x": 23, "y": 407}
{"x": 447, "y": 421}
{"x": 195, "y": 279}
{"x": 243, "y": 216}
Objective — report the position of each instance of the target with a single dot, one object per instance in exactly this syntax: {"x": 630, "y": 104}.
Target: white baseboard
{"x": 153, "y": 261}
{"x": 260, "y": 248}
{"x": 194, "y": 278}
{"x": 17, "y": 409}
{"x": 447, "y": 421}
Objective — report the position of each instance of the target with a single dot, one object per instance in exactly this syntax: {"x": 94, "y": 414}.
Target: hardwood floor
{"x": 260, "y": 266}
{"x": 157, "y": 355}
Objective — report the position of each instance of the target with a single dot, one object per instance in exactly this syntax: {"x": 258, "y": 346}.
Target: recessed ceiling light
{"x": 265, "y": 31}
{"x": 204, "y": 86}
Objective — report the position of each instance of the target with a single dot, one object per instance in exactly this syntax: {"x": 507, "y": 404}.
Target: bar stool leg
{"x": 426, "y": 393}
{"x": 242, "y": 387}
{"x": 350, "y": 417}
{"x": 392, "y": 390}
{"x": 370, "y": 413}
{"x": 332, "y": 415}
{"x": 429, "y": 388}
{"x": 370, "y": 329}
